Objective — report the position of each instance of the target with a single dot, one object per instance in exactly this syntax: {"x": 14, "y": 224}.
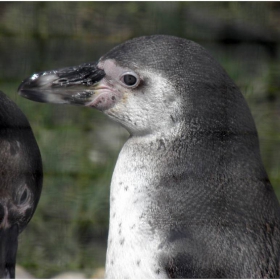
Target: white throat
{"x": 133, "y": 242}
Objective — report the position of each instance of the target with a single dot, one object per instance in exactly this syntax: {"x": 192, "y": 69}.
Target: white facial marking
{"x": 114, "y": 72}
{"x": 149, "y": 107}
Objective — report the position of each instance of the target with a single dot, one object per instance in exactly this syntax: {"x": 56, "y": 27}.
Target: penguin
{"x": 189, "y": 196}
{"x": 21, "y": 180}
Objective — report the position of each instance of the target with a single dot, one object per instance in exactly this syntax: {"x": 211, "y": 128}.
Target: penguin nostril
{"x": 61, "y": 82}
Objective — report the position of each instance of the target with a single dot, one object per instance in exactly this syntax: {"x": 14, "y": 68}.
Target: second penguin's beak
{"x": 8, "y": 251}
{"x": 73, "y": 85}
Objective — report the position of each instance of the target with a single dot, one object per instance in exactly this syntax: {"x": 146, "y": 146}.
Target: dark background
{"x": 79, "y": 146}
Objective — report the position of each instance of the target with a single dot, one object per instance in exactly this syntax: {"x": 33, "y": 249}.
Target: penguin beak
{"x": 8, "y": 251}
{"x": 72, "y": 85}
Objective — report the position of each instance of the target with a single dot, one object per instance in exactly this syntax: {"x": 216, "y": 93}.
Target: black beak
{"x": 8, "y": 251}
{"x": 73, "y": 85}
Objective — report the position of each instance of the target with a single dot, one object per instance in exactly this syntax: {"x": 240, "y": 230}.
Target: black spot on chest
{"x": 157, "y": 271}
{"x": 161, "y": 145}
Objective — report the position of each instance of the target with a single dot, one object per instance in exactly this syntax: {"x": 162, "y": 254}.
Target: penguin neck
{"x": 198, "y": 156}
{"x": 143, "y": 158}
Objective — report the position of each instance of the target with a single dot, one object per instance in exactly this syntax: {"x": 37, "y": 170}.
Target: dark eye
{"x": 23, "y": 197}
{"x": 129, "y": 80}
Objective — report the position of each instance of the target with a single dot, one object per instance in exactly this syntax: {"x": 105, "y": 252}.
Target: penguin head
{"x": 147, "y": 84}
{"x": 21, "y": 180}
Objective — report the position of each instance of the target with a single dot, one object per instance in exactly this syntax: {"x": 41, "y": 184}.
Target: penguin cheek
{"x": 105, "y": 100}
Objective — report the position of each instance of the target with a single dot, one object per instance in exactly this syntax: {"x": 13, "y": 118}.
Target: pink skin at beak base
{"x": 104, "y": 98}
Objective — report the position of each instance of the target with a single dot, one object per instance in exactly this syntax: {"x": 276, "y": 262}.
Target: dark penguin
{"x": 190, "y": 197}
{"x": 21, "y": 180}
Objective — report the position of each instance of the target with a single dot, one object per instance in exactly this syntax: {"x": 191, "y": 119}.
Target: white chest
{"x": 132, "y": 244}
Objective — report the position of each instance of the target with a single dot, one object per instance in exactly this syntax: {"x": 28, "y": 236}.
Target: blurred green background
{"x": 79, "y": 146}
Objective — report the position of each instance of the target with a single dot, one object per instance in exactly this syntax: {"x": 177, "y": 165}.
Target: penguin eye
{"x": 130, "y": 79}
{"x": 23, "y": 196}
